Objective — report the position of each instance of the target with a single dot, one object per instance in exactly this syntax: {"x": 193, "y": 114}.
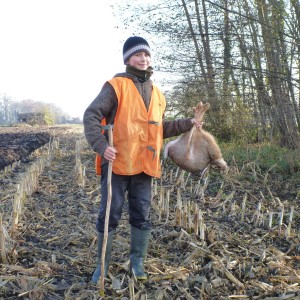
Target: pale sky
{"x": 58, "y": 51}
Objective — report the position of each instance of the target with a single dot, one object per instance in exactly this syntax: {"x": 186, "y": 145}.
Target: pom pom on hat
{"x": 133, "y": 45}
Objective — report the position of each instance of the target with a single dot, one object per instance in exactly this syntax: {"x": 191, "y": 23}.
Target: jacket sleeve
{"x": 103, "y": 106}
{"x": 176, "y": 127}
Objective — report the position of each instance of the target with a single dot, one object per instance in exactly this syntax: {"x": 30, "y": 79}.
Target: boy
{"x": 135, "y": 107}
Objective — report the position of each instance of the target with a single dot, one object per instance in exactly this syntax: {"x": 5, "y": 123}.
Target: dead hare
{"x": 197, "y": 149}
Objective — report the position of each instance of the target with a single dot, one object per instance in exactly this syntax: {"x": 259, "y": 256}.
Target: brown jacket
{"x": 105, "y": 106}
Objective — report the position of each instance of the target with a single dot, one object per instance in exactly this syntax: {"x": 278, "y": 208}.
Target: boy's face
{"x": 140, "y": 60}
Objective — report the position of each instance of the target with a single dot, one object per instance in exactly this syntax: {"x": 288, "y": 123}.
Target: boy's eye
{"x": 141, "y": 53}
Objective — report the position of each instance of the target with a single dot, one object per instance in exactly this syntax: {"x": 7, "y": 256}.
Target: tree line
{"x": 242, "y": 56}
{"x": 10, "y": 111}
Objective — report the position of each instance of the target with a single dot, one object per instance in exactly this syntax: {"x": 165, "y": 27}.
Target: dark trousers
{"x": 139, "y": 197}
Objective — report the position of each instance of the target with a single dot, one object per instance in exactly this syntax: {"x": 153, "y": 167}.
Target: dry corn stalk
{"x": 186, "y": 181}
{"x": 270, "y": 219}
{"x": 79, "y": 167}
{"x": 26, "y": 187}
{"x": 202, "y": 230}
{"x": 161, "y": 203}
{"x": 171, "y": 176}
{"x": 2, "y": 241}
{"x": 257, "y": 216}
{"x": 244, "y": 207}
{"x": 176, "y": 174}
{"x": 78, "y": 149}
{"x": 196, "y": 219}
{"x": 281, "y": 214}
{"x": 288, "y": 230}
{"x": 131, "y": 289}
{"x": 197, "y": 187}
{"x": 201, "y": 225}
{"x": 180, "y": 180}
{"x": 166, "y": 205}
{"x": 189, "y": 226}
{"x": 15, "y": 212}
{"x": 178, "y": 219}
{"x": 185, "y": 215}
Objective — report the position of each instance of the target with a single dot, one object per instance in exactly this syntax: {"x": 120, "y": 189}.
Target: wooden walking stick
{"x": 107, "y": 213}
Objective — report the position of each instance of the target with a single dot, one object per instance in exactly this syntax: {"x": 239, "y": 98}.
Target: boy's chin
{"x": 142, "y": 68}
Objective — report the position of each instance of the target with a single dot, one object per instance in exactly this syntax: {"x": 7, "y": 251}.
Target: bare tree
{"x": 242, "y": 56}
{"x": 7, "y": 110}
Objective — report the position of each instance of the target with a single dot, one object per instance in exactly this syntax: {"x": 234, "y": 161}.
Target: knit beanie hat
{"x": 133, "y": 45}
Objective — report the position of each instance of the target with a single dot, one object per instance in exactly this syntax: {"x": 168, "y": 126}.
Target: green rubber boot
{"x": 97, "y": 272}
{"x": 138, "y": 250}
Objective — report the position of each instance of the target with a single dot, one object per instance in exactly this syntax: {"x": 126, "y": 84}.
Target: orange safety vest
{"x": 137, "y": 133}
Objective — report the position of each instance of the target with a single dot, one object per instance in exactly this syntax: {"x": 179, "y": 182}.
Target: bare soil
{"x": 17, "y": 143}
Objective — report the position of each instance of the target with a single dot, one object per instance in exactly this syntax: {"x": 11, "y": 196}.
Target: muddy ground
{"x": 17, "y": 143}
{"x": 237, "y": 254}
